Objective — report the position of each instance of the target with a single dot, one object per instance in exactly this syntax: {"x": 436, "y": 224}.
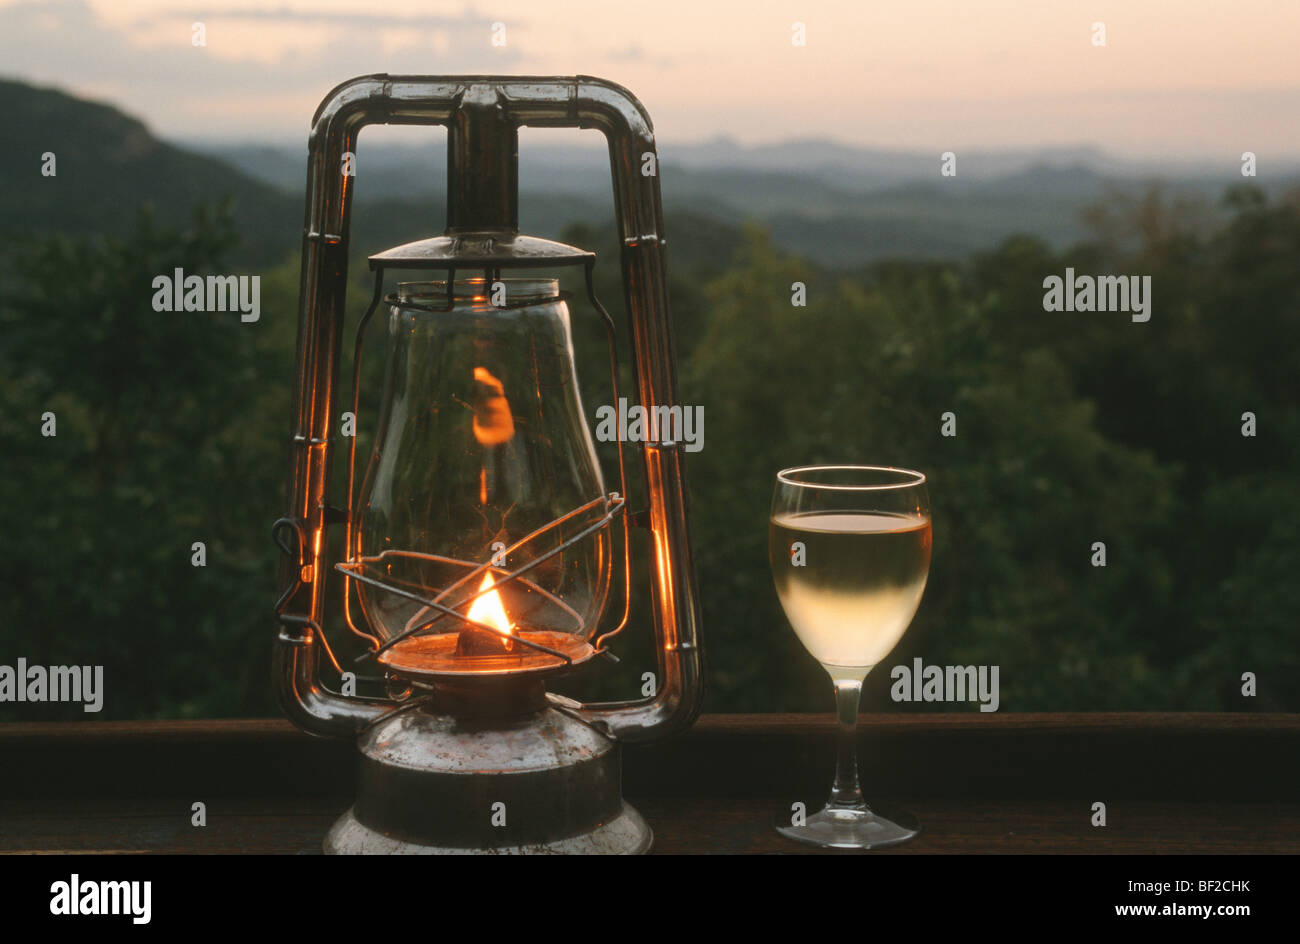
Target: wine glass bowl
{"x": 849, "y": 548}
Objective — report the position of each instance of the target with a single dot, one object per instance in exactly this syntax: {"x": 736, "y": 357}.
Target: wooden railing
{"x": 977, "y": 782}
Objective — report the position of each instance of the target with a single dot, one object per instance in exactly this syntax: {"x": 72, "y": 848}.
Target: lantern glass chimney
{"x": 483, "y": 466}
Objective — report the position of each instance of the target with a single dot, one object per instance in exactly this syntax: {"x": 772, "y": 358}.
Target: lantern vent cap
{"x": 480, "y": 250}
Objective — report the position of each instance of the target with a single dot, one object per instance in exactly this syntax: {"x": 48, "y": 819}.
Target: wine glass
{"x": 850, "y": 552}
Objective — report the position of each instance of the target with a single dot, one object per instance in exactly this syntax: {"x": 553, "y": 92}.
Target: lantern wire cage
{"x": 436, "y": 605}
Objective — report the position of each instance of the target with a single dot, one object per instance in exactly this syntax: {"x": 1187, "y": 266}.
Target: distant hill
{"x": 841, "y": 205}
{"x": 108, "y": 164}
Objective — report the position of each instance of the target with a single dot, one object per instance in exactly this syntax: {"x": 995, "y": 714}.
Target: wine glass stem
{"x": 847, "y": 792}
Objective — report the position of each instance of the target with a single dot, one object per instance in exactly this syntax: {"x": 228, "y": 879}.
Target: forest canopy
{"x": 1070, "y": 428}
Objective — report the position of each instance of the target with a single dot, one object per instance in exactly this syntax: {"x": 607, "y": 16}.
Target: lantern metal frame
{"x": 482, "y": 115}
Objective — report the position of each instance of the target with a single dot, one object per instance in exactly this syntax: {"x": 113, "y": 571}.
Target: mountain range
{"x": 838, "y": 204}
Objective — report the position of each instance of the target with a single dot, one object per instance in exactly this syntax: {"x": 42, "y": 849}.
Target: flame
{"x": 493, "y": 423}
{"x": 488, "y": 608}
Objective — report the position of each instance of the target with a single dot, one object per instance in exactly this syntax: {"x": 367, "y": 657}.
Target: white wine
{"x": 855, "y": 586}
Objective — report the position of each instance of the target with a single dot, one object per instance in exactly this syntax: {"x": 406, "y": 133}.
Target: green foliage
{"x": 169, "y": 432}
{"x": 863, "y": 374}
{"x": 1071, "y": 428}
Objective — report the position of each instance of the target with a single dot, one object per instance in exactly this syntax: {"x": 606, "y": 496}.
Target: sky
{"x": 1180, "y": 80}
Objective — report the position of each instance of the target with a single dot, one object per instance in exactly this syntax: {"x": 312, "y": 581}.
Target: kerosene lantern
{"x": 481, "y": 543}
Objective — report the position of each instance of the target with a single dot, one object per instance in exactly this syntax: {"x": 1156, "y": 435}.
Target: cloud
{"x": 291, "y": 15}
{"x": 187, "y": 91}
{"x": 632, "y": 52}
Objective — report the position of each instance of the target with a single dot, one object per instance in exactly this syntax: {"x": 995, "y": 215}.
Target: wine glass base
{"x": 838, "y": 828}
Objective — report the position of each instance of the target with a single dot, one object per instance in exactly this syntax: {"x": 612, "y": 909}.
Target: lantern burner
{"x": 423, "y": 650}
